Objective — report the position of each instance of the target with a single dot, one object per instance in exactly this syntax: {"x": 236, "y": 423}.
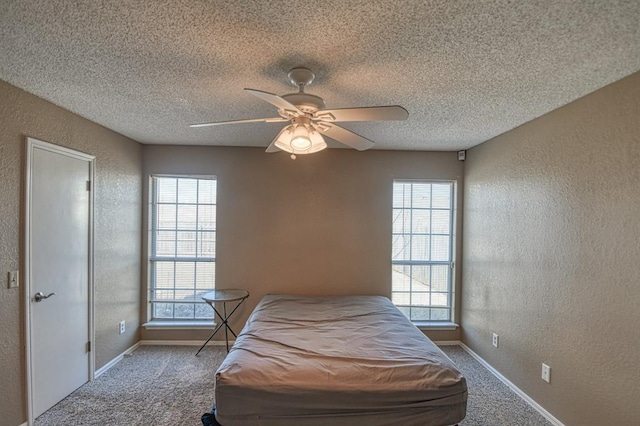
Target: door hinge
{"x": 88, "y": 185}
{"x": 88, "y": 346}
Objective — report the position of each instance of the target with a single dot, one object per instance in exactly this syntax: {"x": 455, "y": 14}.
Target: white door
{"x": 58, "y": 268}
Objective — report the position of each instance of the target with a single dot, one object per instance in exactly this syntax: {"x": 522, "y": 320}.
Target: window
{"x": 422, "y": 251}
{"x": 183, "y": 246}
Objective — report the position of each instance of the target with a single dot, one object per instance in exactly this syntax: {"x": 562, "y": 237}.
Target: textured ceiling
{"x": 465, "y": 70}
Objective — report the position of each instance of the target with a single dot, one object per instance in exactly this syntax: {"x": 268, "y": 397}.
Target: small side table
{"x": 224, "y": 297}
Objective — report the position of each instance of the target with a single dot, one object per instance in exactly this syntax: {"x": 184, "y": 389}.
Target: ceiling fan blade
{"x": 275, "y": 100}
{"x": 345, "y": 136}
{"x": 379, "y": 113}
{"x": 272, "y": 146}
{"x": 250, "y": 120}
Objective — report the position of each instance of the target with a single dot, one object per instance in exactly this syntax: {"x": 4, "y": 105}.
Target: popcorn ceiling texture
{"x": 466, "y": 70}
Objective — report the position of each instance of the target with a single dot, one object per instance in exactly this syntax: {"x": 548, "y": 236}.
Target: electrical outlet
{"x": 546, "y": 373}
{"x": 122, "y": 327}
{"x": 13, "y": 279}
{"x": 495, "y": 340}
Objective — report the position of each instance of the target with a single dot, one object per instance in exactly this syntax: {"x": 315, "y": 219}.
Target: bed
{"x": 336, "y": 361}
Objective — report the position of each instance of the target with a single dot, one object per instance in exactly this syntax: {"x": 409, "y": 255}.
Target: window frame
{"x": 153, "y": 258}
{"x": 451, "y": 263}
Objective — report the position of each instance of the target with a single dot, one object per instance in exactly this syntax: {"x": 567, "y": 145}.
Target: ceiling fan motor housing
{"x": 305, "y": 101}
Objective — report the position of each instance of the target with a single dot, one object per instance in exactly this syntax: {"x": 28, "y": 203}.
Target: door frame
{"x": 31, "y": 144}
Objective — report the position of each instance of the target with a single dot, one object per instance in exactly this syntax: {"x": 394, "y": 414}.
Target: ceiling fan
{"x": 310, "y": 119}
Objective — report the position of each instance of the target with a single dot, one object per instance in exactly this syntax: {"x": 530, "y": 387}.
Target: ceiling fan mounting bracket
{"x": 301, "y": 77}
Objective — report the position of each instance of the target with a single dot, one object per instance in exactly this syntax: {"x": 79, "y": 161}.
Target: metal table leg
{"x": 224, "y": 322}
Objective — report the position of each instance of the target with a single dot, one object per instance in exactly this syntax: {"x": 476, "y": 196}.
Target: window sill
{"x": 433, "y": 325}
{"x": 179, "y": 325}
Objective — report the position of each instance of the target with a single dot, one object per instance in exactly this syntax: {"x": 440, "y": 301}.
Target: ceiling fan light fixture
{"x": 284, "y": 139}
{"x": 317, "y": 142}
{"x": 300, "y": 141}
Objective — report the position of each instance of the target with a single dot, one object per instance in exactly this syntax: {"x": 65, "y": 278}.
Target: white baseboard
{"x": 25, "y": 424}
{"x": 547, "y": 415}
{"x": 184, "y": 342}
{"x": 99, "y": 372}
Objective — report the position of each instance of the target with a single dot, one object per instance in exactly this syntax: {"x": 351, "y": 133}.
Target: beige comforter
{"x": 336, "y": 361}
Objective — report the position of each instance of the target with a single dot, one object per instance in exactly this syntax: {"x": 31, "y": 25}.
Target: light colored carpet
{"x": 169, "y": 386}
{"x": 491, "y": 402}
{"x": 155, "y": 386}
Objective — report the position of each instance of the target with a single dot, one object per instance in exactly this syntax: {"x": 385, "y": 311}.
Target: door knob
{"x": 40, "y": 296}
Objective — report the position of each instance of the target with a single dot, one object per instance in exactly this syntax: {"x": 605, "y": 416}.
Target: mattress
{"x": 336, "y": 361}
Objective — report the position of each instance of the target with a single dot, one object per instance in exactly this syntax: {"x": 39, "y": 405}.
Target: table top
{"x": 226, "y": 295}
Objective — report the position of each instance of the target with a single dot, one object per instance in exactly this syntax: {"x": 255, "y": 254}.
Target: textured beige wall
{"x": 117, "y": 231}
{"x": 319, "y": 225}
{"x": 552, "y": 247}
